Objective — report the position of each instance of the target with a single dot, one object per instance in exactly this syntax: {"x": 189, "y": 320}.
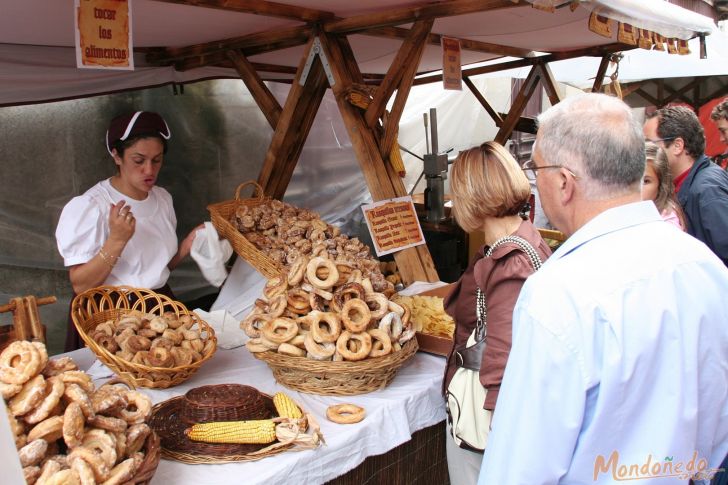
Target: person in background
{"x": 620, "y": 349}
{"x": 657, "y": 186}
{"x": 122, "y": 231}
{"x": 720, "y": 116}
{"x": 701, "y": 186}
{"x": 489, "y": 193}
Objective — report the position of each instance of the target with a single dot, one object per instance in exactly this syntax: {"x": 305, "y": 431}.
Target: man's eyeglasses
{"x": 530, "y": 166}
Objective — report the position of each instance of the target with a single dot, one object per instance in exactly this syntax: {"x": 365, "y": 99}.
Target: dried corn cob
{"x": 395, "y": 159}
{"x": 261, "y": 431}
{"x": 286, "y": 407}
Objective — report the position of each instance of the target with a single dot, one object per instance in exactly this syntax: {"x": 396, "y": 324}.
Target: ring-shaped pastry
{"x": 298, "y": 302}
{"x": 73, "y": 422}
{"x": 316, "y": 302}
{"x": 364, "y": 341}
{"x": 29, "y": 396}
{"x": 280, "y": 330}
{"x": 291, "y": 350}
{"x": 135, "y": 343}
{"x": 274, "y": 287}
{"x": 392, "y": 325}
{"x": 298, "y": 269}
{"x": 136, "y": 436}
{"x": 381, "y": 343}
{"x": 58, "y": 366}
{"x": 139, "y": 408}
{"x": 345, "y": 293}
{"x": 312, "y": 276}
{"x": 102, "y": 443}
{"x": 378, "y": 304}
{"x": 76, "y": 393}
{"x": 98, "y": 465}
{"x": 160, "y": 357}
{"x": 255, "y": 346}
{"x": 325, "y": 327}
{"x": 19, "y": 362}
{"x": 345, "y": 413}
{"x": 277, "y": 305}
{"x": 316, "y": 350}
{"x": 54, "y": 388}
{"x": 32, "y": 453}
{"x": 50, "y": 430}
{"x": 356, "y": 315}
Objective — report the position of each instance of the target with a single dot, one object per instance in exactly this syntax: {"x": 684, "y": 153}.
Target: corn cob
{"x": 395, "y": 159}
{"x": 261, "y": 431}
{"x": 286, "y": 407}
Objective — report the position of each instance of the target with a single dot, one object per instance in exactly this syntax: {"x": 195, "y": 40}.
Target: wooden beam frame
{"x": 549, "y": 83}
{"x": 260, "y": 92}
{"x": 483, "y": 102}
{"x": 647, "y": 96}
{"x": 383, "y": 182}
{"x": 395, "y": 74}
{"x": 518, "y": 105}
{"x": 292, "y": 128}
{"x": 601, "y": 72}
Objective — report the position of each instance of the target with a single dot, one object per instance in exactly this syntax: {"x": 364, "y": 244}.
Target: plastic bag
{"x": 210, "y": 253}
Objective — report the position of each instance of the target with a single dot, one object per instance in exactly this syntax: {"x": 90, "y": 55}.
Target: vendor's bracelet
{"x": 108, "y": 259}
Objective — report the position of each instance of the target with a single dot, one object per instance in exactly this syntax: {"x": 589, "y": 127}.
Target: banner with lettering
{"x": 103, "y": 34}
{"x": 393, "y": 225}
{"x": 452, "y": 74}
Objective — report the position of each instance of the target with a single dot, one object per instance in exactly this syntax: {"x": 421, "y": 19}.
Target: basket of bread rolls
{"x": 66, "y": 429}
{"x": 146, "y": 338}
{"x": 327, "y": 326}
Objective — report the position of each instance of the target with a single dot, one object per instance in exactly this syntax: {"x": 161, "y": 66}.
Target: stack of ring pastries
{"x": 66, "y": 430}
{"x": 286, "y": 232}
{"x": 325, "y": 310}
{"x": 164, "y": 341}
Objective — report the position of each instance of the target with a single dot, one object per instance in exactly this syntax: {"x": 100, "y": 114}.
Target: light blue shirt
{"x": 620, "y": 344}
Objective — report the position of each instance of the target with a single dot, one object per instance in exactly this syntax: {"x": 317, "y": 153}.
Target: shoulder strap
{"x": 480, "y": 307}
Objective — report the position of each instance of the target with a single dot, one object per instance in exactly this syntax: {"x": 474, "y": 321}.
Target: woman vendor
{"x": 490, "y": 194}
{"x": 122, "y": 231}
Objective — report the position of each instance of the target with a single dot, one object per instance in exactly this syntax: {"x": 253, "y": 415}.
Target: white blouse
{"x": 84, "y": 227}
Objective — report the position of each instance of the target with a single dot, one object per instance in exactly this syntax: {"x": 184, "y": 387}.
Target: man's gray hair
{"x": 596, "y": 136}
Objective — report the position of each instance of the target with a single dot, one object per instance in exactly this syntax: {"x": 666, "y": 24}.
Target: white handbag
{"x": 469, "y": 422}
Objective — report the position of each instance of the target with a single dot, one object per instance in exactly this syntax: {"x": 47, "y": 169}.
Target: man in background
{"x": 720, "y": 116}
{"x": 701, "y": 186}
{"x": 620, "y": 350}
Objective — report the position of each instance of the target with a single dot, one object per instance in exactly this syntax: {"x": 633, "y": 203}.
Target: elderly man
{"x": 701, "y": 186}
{"x": 619, "y": 364}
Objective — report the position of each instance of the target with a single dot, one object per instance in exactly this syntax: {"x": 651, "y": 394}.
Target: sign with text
{"x": 393, "y": 225}
{"x": 452, "y": 74}
{"x": 103, "y": 34}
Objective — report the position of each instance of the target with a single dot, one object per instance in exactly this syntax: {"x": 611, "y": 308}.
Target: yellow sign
{"x": 452, "y": 74}
{"x": 393, "y": 225}
{"x": 103, "y": 34}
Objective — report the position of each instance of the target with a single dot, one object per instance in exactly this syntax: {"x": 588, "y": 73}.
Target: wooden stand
{"x": 26, "y": 320}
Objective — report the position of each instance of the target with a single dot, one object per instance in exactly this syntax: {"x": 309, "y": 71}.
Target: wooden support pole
{"x": 292, "y": 128}
{"x": 402, "y": 61}
{"x": 630, "y": 88}
{"x": 601, "y": 72}
{"x": 549, "y": 84}
{"x": 260, "y": 92}
{"x": 483, "y": 102}
{"x": 383, "y": 182}
{"x": 647, "y": 96}
{"x": 518, "y": 105}
{"x": 391, "y": 127}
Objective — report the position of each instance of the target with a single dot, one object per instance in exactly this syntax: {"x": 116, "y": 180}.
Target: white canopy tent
{"x": 37, "y": 57}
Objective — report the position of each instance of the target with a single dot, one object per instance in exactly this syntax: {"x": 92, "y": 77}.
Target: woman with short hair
{"x": 490, "y": 194}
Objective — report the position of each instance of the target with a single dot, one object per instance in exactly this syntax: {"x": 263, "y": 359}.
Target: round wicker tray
{"x": 98, "y": 305}
{"x": 336, "y": 378}
{"x": 168, "y": 420}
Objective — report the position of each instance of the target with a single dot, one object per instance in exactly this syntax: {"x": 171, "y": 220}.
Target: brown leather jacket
{"x": 500, "y": 277}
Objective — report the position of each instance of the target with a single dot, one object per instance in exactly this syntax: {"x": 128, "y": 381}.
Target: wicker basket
{"x": 336, "y": 378}
{"x": 221, "y": 214}
{"x": 98, "y": 305}
{"x": 152, "y": 455}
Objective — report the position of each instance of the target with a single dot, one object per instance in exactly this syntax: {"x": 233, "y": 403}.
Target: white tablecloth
{"x": 410, "y": 403}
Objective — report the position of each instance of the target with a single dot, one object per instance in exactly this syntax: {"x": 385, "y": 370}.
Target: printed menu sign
{"x": 103, "y": 34}
{"x": 393, "y": 225}
{"x": 452, "y": 74}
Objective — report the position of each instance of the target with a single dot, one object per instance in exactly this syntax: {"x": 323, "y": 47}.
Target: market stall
{"x": 356, "y": 51}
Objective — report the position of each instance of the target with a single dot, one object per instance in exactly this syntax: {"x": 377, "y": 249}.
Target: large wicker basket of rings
{"x": 68, "y": 431}
{"x": 147, "y": 339}
{"x": 327, "y": 326}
